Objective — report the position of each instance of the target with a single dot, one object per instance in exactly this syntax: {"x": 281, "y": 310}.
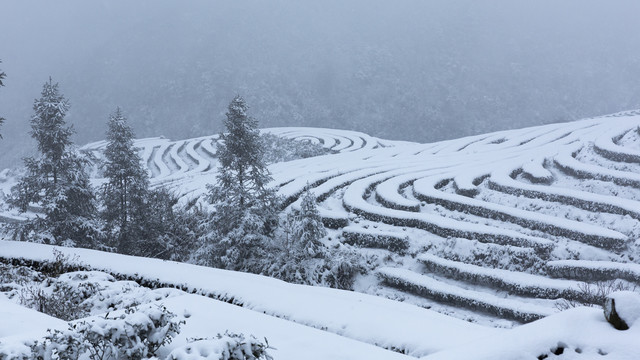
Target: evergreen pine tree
{"x": 127, "y": 187}
{"x": 246, "y": 208}
{"x": 2, "y": 76}
{"x": 56, "y": 180}
{"x": 309, "y": 228}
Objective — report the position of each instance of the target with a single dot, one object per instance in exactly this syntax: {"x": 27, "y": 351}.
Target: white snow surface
{"x": 361, "y": 317}
{"x": 17, "y": 320}
{"x": 583, "y": 333}
{"x": 323, "y": 323}
{"x": 18, "y": 323}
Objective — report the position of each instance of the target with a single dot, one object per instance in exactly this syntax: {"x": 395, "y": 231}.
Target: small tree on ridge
{"x": 309, "y": 228}
{"x": 127, "y": 188}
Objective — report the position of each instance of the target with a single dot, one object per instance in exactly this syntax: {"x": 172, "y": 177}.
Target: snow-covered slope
{"x": 358, "y": 319}
{"x": 319, "y": 323}
{"x": 458, "y": 225}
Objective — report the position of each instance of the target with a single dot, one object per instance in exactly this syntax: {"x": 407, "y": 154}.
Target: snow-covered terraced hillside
{"x": 187, "y": 165}
{"x": 456, "y": 223}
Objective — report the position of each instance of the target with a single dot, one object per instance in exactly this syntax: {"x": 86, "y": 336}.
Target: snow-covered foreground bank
{"x": 369, "y": 319}
{"x": 207, "y": 318}
{"x": 580, "y": 333}
{"x": 319, "y": 323}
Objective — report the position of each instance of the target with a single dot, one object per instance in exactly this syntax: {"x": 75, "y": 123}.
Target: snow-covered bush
{"x": 60, "y": 264}
{"x": 227, "y": 346}
{"x": 280, "y": 149}
{"x": 12, "y": 277}
{"x": 590, "y": 271}
{"x": 341, "y": 270}
{"x": 58, "y": 345}
{"x": 334, "y": 222}
{"x": 495, "y": 256}
{"x": 57, "y": 297}
{"x": 497, "y": 307}
{"x": 136, "y": 334}
{"x": 302, "y": 229}
{"x": 370, "y": 239}
{"x": 59, "y": 300}
{"x": 337, "y": 268}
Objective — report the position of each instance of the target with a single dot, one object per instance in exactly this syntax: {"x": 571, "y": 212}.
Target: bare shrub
{"x": 594, "y": 294}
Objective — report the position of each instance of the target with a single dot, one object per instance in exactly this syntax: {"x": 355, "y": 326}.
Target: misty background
{"x": 409, "y": 69}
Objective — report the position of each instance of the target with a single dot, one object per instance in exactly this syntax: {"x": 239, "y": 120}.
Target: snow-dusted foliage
{"x": 126, "y": 191}
{"x": 308, "y": 228}
{"x": 280, "y": 149}
{"x": 242, "y": 181}
{"x": 227, "y": 346}
{"x": 586, "y": 270}
{"x": 87, "y": 298}
{"x": 336, "y": 268}
{"x": 373, "y": 238}
{"x": 56, "y": 180}
{"x": 595, "y": 293}
{"x": 135, "y": 334}
{"x": 245, "y": 206}
{"x": 451, "y": 294}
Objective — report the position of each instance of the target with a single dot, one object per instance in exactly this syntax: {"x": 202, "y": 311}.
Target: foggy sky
{"x": 408, "y": 69}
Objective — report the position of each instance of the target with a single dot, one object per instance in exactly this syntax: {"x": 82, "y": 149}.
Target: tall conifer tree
{"x": 246, "y": 208}
{"x": 243, "y": 177}
{"x": 56, "y": 179}
{"x": 128, "y": 185}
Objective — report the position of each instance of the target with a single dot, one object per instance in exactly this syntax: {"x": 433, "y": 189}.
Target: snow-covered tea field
{"x": 501, "y": 224}
{"x": 496, "y": 230}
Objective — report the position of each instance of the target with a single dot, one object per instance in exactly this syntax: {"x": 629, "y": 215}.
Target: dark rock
{"x": 611, "y": 314}
{"x": 622, "y": 309}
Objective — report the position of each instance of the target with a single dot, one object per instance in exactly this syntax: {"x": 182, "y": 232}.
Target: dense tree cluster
{"x": 125, "y": 215}
{"x": 137, "y": 219}
{"x": 247, "y": 230}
